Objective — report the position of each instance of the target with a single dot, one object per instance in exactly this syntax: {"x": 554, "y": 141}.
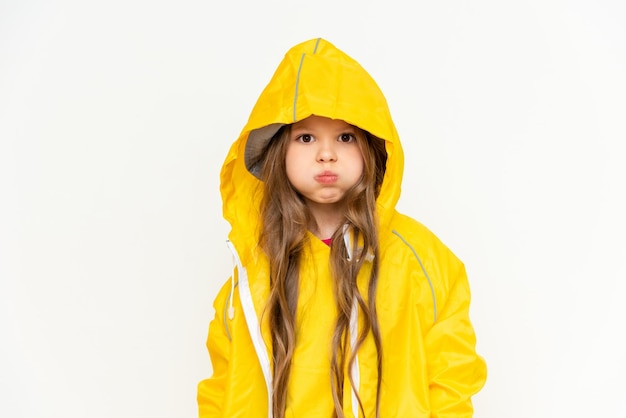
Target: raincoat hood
{"x": 314, "y": 78}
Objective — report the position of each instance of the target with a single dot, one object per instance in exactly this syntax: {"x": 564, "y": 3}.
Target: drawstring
{"x": 231, "y": 308}
{"x": 346, "y": 241}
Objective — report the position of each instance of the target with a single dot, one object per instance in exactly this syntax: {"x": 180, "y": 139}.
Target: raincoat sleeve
{"x": 456, "y": 371}
{"x": 211, "y": 391}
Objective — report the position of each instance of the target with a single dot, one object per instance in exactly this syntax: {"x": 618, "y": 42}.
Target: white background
{"x": 115, "y": 118}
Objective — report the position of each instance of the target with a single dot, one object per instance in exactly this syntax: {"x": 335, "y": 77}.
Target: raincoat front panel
{"x": 430, "y": 366}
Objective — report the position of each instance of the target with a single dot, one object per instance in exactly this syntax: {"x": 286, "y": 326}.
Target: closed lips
{"x": 326, "y": 177}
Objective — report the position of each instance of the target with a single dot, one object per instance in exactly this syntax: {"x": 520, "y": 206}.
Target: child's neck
{"x": 328, "y": 219}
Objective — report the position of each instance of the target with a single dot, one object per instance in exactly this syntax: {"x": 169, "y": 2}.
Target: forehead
{"x": 321, "y": 123}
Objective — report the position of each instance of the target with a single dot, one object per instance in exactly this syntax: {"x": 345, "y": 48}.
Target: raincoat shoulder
{"x": 438, "y": 277}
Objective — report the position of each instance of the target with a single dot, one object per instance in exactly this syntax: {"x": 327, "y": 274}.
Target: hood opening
{"x": 259, "y": 139}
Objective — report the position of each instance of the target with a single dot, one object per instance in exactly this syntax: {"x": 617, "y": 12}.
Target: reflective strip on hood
{"x": 254, "y": 328}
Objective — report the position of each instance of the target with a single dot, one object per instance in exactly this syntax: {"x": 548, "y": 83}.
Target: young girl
{"x": 339, "y": 306}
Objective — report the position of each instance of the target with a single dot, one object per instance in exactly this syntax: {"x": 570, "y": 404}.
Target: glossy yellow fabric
{"x": 430, "y": 366}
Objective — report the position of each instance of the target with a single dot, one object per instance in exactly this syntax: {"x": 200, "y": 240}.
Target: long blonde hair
{"x": 285, "y": 221}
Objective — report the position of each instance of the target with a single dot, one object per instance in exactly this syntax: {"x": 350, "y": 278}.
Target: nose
{"x": 326, "y": 151}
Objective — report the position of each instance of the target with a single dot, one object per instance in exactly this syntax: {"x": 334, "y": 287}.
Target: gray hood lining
{"x": 255, "y": 146}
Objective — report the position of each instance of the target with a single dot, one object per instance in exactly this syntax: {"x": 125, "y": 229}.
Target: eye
{"x": 305, "y": 138}
{"x": 347, "y": 137}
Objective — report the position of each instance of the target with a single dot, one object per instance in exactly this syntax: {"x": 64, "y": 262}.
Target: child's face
{"x": 324, "y": 159}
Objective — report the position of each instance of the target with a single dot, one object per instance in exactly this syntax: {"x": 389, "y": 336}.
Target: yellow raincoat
{"x": 430, "y": 366}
